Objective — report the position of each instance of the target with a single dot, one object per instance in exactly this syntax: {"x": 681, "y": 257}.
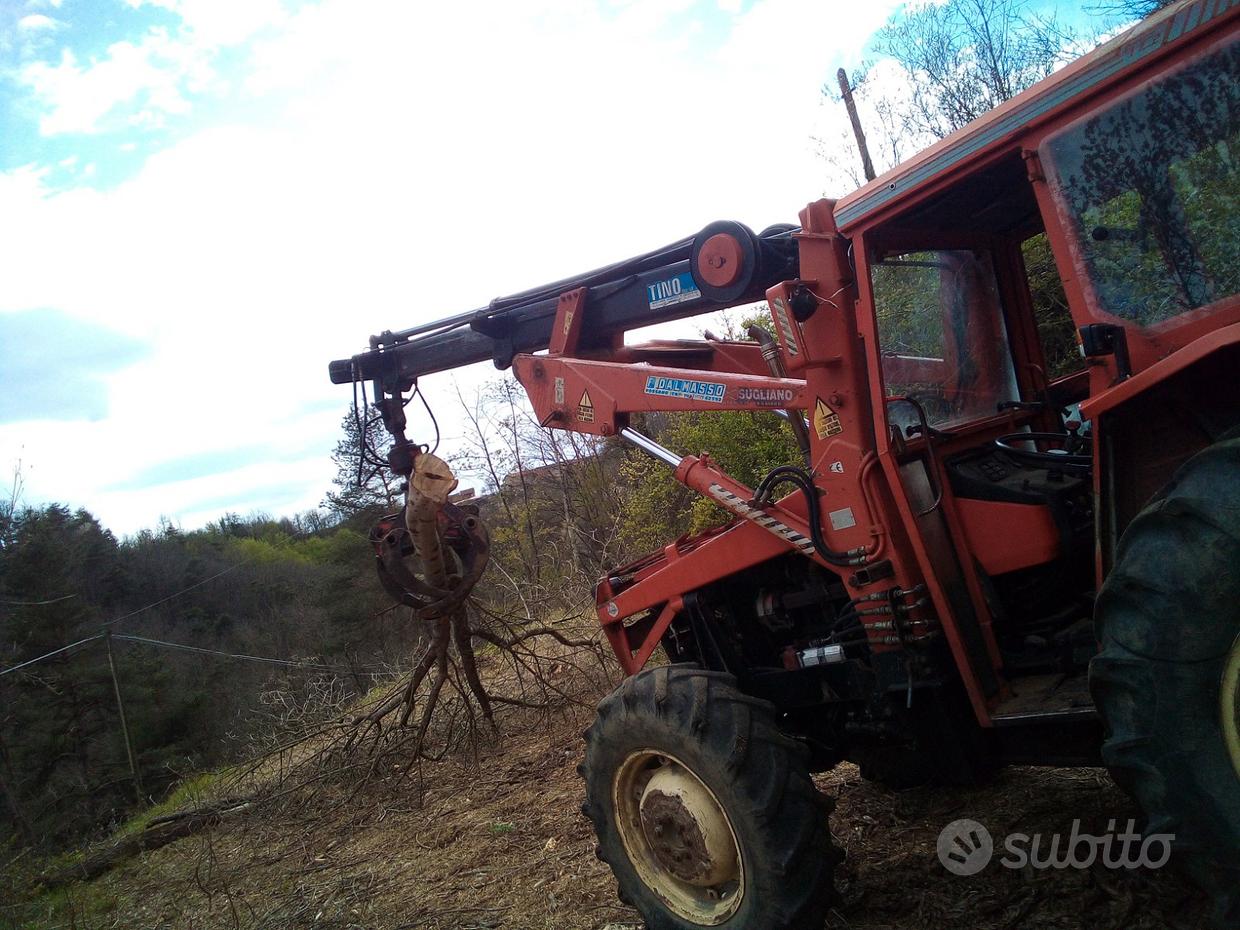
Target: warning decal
{"x": 585, "y": 408}
{"x": 826, "y": 421}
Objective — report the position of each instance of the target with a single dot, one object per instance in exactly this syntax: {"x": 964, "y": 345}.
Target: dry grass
{"x": 496, "y": 841}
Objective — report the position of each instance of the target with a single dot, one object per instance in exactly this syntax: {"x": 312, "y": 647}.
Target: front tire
{"x": 1167, "y": 678}
{"x": 705, "y": 811}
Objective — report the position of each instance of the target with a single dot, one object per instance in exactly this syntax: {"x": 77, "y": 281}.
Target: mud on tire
{"x": 759, "y": 777}
{"x": 1168, "y": 621}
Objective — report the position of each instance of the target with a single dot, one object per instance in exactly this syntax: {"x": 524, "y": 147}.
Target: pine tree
{"x": 366, "y": 488}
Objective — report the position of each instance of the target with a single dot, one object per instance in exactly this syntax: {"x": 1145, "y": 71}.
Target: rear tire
{"x": 1165, "y": 679}
{"x": 684, "y": 725}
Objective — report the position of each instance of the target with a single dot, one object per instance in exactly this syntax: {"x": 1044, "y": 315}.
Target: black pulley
{"x": 725, "y": 259}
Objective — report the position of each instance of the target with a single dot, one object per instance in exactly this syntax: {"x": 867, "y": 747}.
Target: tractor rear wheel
{"x": 1167, "y": 678}
{"x": 705, "y": 811}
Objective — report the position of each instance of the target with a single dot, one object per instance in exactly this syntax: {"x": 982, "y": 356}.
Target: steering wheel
{"x": 1073, "y": 452}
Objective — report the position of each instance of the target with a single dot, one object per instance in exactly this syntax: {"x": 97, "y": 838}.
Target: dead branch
{"x": 159, "y": 832}
{"x": 435, "y": 558}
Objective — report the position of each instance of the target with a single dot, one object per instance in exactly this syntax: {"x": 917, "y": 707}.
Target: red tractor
{"x": 1013, "y": 368}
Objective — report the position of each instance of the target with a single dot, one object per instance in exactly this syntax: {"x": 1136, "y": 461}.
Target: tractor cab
{"x": 976, "y": 402}
{"x": 1013, "y": 302}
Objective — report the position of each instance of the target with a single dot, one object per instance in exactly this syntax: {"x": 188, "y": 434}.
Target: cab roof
{"x": 1089, "y": 74}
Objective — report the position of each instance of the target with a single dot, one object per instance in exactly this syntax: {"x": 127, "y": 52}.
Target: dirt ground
{"x": 498, "y": 842}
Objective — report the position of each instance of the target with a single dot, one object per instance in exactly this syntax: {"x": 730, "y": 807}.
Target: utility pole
{"x": 120, "y": 707}
{"x": 849, "y": 104}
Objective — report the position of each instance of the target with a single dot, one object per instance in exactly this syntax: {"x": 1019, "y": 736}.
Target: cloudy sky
{"x": 204, "y": 201}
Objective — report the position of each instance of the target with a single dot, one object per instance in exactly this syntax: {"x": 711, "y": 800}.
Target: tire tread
{"x": 767, "y": 772}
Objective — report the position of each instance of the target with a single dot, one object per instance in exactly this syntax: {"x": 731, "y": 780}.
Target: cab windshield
{"x": 1150, "y": 187}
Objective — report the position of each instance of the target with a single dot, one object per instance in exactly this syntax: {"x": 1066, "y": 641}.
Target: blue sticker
{"x": 679, "y": 387}
{"x": 673, "y": 291}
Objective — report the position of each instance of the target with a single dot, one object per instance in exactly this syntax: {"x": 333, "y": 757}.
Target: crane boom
{"x": 656, "y": 287}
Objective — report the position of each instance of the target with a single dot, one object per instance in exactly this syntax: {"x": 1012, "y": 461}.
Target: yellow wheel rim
{"x": 678, "y": 837}
{"x": 1229, "y": 705}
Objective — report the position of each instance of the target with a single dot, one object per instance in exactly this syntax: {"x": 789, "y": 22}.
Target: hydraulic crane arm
{"x": 724, "y": 265}
{"x": 565, "y": 342}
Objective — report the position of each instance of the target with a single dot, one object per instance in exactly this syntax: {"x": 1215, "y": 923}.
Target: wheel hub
{"x": 686, "y": 830}
{"x": 678, "y": 837}
{"x": 1229, "y": 705}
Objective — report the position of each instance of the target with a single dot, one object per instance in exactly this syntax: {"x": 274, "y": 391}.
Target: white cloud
{"x": 152, "y": 77}
{"x": 36, "y": 22}
{"x": 153, "y": 74}
{"x": 213, "y": 23}
{"x": 428, "y": 158}
{"x": 791, "y": 38}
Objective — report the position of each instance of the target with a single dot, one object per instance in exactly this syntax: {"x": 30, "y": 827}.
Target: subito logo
{"x": 965, "y": 847}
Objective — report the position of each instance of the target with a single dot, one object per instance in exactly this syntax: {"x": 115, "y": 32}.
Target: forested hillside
{"x": 225, "y": 635}
{"x": 256, "y": 587}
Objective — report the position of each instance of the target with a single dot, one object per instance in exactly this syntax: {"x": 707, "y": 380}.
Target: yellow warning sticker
{"x": 826, "y": 421}
{"x": 585, "y": 408}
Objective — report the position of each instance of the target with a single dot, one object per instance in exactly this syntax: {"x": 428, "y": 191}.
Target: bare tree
{"x": 939, "y": 67}
{"x": 10, "y": 504}
{"x": 1130, "y": 9}
{"x": 966, "y": 57}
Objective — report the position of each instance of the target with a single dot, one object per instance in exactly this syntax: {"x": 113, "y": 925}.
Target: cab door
{"x": 947, "y": 373}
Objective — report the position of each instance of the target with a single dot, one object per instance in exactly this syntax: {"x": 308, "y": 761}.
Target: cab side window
{"x": 1056, "y": 330}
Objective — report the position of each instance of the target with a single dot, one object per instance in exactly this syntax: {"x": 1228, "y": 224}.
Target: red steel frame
{"x": 827, "y": 355}
{"x": 830, "y": 358}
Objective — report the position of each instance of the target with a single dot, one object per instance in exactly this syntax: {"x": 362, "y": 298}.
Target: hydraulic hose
{"x": 793, "y": 475}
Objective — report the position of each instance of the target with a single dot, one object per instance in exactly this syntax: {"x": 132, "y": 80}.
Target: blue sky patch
{"x": 164, "y": 88}
{"x": 54, "y": 365}
{"x": 267, "y": 498}
{"x": 214, "y": 462}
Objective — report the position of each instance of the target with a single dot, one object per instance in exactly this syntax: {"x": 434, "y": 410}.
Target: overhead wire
{"x": 165, "y": 600}
{"x": 48, "y": 655}
{"x": 54, "y": 600}
{"x": 114, "y": 621}
{"x": 270, "y": 660}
